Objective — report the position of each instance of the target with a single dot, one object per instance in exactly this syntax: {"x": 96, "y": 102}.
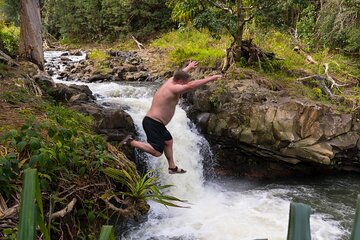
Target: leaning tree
{"x": 31, "y": 47}
{"x": 217, "y": 15}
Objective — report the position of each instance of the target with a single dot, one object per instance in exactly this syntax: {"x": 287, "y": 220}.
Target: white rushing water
{"x": 217, "y": 212}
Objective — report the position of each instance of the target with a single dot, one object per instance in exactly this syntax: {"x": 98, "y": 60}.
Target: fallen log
{"x": 321, "y": 83}
{"x": 7, "y": 59}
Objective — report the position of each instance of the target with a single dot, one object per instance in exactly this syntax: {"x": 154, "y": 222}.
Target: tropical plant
{"x": 141, "y": 188}
{"x": 31, "y": 208}
{"x": 107, "y": 233}
{"x": 61, "y": 145}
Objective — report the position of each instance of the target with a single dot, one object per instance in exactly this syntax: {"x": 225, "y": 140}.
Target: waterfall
{"x": 219, "y": 210}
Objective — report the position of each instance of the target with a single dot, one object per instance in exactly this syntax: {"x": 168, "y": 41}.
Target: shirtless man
{"x": 162, "y": 110}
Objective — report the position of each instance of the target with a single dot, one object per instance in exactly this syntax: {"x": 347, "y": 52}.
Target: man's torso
{"x": 164, "y": 103}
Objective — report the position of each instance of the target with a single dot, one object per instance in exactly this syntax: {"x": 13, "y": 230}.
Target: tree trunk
{"x": 240, "y": 23}
{"x": 31, "y": 47}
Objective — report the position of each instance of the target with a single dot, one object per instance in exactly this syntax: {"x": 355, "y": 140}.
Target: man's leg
{"x": 168, "y": 150}
{"x": 145, "y": 147}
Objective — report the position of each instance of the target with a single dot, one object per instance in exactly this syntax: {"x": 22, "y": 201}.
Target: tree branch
{"x": 139, "y": 44}
{"x": 222, "y": 7}
{"x": 329, "y": 78}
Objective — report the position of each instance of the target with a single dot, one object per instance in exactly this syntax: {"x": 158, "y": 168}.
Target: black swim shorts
{"x": 156, "y": 133}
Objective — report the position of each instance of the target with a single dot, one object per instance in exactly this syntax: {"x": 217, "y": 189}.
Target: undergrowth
{"x": 10, "y": 37}
{"x": 194, "y": 45}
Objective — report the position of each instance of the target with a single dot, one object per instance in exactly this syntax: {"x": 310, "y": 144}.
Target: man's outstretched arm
{"x": 182, "y": 88}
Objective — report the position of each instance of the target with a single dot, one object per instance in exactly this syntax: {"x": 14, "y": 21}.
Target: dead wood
{"x": 139, "y": 44}
{"x": 329, "y": 78}
{"x": 64, "y": 211}
{"x": 7, "y": 59}
{"x": 249, "y": 52}
{"x": 321, "y": 81}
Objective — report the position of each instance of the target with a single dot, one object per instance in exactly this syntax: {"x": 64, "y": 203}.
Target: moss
{"x": 100, "y": 59}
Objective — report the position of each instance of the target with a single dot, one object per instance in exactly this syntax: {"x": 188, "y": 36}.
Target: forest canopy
{"x": 317, "y": 23}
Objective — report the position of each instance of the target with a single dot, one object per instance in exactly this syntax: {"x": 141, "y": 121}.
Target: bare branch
{"x": 139, "y": 44}
{"x": 222, "y": 7}
{"x": 321, "y": 82}
{"x": 333, "y": 83}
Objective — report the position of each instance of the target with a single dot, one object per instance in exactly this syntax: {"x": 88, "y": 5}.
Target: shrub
{"x": 9, "y": 37}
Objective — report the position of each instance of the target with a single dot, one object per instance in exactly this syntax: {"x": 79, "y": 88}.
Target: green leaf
{"x": 21, "y": 146}
{"x": 91, "y": 216}
{"x": 107, "y": 233}
{"x": 35, "y": 143}
{"x": 28, "y": 208}
{"x": 10, "y": 134}
{"x": 82, "y": 171}
{"x": 52, "y": 131}
{"x": 30, "y": 213}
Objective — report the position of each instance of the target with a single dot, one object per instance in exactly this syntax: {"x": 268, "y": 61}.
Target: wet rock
{"x": 261, "y": 122}
{"x": 99, "y": 77}
{"x": 113, "y": 124}
{"x": 62, "y": 92}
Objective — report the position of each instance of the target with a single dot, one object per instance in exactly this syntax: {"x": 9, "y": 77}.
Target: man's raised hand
{"x": 190, "y": 66}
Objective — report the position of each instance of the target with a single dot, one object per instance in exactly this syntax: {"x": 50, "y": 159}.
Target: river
{"x": 224, "y": 208}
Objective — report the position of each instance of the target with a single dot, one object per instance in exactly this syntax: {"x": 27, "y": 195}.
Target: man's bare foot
{"x": 176, "y": 170}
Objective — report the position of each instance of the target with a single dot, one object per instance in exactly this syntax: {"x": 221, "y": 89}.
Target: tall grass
{"x": 31, "y": 208}
{"x": 193, "y": 44}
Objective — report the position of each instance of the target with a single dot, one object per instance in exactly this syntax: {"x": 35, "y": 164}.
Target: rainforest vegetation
{"x": 284, "y": 40}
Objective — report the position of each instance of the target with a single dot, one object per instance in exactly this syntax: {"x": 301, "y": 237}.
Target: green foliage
{"x": 281, "y": 45}
{"x": 10, "y": 10}
{"x": 107, "y": 233}
{"x": 194, "y": 45}
{"x": 99, "y": 57}
{"x": 142, "y": 188}
{"x": 339, "y": 28}
{"x": 18, "y": 95}
{"x": 61, "y": 145}
{"x": 9, "y": 37}
{"x": 353, "y": 39}
{"x": 31, "y": 213}
{"x": 96, "y": 20}
{"x": 305, "y": 25}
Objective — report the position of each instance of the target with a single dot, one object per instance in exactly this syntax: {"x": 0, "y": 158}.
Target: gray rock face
{"x": 113, "y": 124}
{"x": 270, "y": 125}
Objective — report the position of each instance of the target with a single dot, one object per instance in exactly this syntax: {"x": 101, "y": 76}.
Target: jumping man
{"x": 159, "y": 139}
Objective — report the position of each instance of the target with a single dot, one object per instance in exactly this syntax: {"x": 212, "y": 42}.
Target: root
{"x": 7, "y": 59}
{"x": 64, "y": 211}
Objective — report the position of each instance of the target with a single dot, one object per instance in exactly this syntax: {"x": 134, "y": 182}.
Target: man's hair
{"x": 181, "y": 75}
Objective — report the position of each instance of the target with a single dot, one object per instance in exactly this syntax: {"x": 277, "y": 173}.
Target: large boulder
{"x": 255, "y": 124}
{"x": 113, "y": 124}
{"x": 64, "y": 93}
